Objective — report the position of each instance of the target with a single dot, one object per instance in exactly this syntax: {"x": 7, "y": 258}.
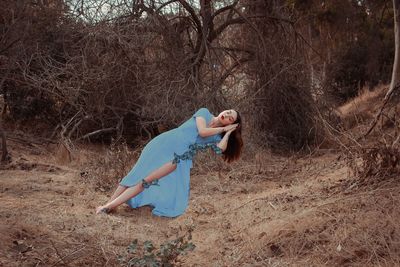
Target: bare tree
{"x": 395, "y": 82}
{"x": 396, "y": 64}
{"x": 102, "y": 69}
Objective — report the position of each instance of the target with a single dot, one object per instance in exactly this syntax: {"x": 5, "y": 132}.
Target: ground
{"x": 266, "y": 210}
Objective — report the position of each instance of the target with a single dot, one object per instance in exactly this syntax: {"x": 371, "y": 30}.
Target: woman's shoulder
{"x": 202, "y": 111}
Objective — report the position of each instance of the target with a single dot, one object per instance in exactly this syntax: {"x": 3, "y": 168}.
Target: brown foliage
{"x": 105, "y": 170}
{"x": 376, "y": 164}
{"x": 97, "y": 76}
{"x": 358, "y": 230}
{"x": 279, "y": 94}
{"x": 121, "y": 75}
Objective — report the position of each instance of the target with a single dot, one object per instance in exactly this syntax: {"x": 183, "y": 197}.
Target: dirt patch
{"x": 261, "y": 211}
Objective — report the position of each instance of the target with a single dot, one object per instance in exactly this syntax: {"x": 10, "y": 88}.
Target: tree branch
{"x": 192, "y": 14}
{"x": 388, "y": 96}
{"x": 229, "y": 71}
{"x": 165, "y": 4}
{"x": 226, "y": 8}
{"x": 97, "y": 132}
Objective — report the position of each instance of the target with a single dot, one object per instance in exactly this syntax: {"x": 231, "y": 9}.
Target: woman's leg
{"x": 120, "y": 189}
{"x": 135, "y": 190}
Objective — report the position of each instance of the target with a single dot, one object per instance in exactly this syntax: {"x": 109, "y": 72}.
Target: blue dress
{"x": 171, "y": 195}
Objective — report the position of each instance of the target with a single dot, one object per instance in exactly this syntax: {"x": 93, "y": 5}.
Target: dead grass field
{"x": 265, "y": 210}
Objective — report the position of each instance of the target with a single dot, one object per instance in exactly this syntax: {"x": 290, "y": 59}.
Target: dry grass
{"x": 373, "y": 165}
{"x": 293, "y": 216}
{"x": 356, "y": 230}
{"x": 361, "y": 109}
{"x": 264, "y": 210}
{"x": 104, "y": 170}
{"x": 374, "y": 159}
{"x": 364, "y": 101}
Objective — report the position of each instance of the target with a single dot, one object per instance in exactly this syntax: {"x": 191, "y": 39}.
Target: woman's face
{"x": 227, "y": 117}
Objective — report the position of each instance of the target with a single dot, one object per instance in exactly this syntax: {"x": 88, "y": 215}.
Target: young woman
{"x": 160, "y": 177}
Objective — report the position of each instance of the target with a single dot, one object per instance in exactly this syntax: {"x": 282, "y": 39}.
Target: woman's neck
{"x": 215, "y": 122}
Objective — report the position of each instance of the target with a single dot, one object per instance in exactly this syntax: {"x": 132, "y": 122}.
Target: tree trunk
{"x": 3, "y": 145}
{"x": 393, "y": 91}
{"x": 396, "y": 66}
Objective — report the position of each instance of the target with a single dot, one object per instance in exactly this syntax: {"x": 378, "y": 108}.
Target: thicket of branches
{"x": 280, "y": 95}
{"x": 119, "y": 76}
{"x": 135, "y": 68}
{"x": 353, "y": 41}
{"x": 129, "y": 74}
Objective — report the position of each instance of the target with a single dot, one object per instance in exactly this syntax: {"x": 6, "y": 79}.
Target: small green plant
{"x": 165, "y": 255}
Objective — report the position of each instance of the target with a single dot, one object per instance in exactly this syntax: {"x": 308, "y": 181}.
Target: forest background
{"x": 102, "y": 69}
{"x": 120, "y": 72}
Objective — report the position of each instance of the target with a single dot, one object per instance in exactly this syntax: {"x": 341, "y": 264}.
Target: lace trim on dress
{"x": 193, "y": 151}
{"x": 148, "y": 184}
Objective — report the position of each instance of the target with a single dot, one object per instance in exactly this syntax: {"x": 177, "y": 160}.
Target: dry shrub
{"x": 362, "y": 108}
{"x": 101, "y": 80}
{"x": 364, "y": 101}
{"x": 31, "y": 244}
{"x": 131, "y": 74}
{"x": 375, "y": 164}
{"x": 106, "y": 169}
{"x": 356, "y": 64}
{"x": 28, "y": 29}
{"x": 123, "y": 76}
{"x": 289, "y": 117}
{"x": 360, "y": 230}
{"x": 377, "y": 157}
{"x": 279, "y": 100}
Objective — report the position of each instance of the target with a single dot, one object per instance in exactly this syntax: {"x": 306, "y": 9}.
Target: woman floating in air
{"x": 160, "y": 177}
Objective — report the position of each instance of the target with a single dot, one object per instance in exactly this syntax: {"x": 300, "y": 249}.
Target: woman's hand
{"x": 230, "y": 128}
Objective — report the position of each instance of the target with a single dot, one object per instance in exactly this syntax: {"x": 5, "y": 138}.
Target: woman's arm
{"x": 223, "y": 144}
{"x": 205, "y": 131}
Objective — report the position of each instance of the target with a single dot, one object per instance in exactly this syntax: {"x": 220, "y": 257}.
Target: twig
{"x": 58, "y": 254}
{"x": 396, "y": 141}
{"x": 246, "y": 203}
{"x": 386, "y": 99}
{"x": 68, "y": 255}
{"x": 97, "y": 132}
{"x": 272, "y": 205}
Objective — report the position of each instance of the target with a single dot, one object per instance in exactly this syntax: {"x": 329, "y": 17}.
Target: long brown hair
{"x": 235, "y": 142}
